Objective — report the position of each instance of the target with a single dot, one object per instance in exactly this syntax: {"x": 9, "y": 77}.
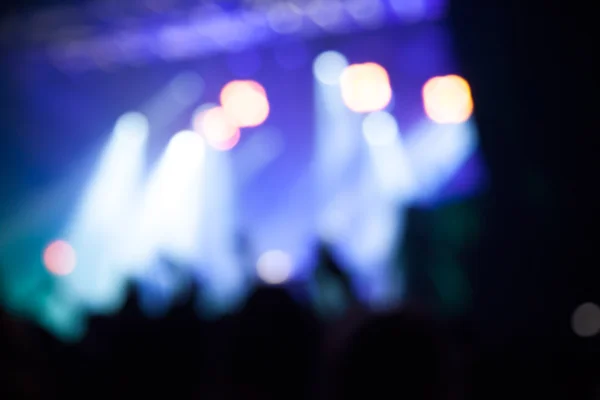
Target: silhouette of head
{"x": 273, "y": 349}
{"x": 393, "y": 355}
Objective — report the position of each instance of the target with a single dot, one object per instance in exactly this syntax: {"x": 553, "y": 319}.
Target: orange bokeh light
{"x": 447, "y": 99}
{"x": 217, "y": 128}
{"x": 366, "y": 87}
{"x": 59, "y": 258}
{"x": 227, "y": 144}
{"x": 245, "y": 102}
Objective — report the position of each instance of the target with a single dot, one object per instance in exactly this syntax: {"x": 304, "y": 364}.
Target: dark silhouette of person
{"x": 399, "y": 354}
{"x": 273, "y": 350}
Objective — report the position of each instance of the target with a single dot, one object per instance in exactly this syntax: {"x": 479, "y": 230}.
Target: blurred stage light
{"x": 101, "y": 228}
{"x": 437, "y": 151}
{"x": 366, "y": 87}
{"x": 132, "y": 126}
{"x": 59, "y": 258}
{"x": 274, "y": 267}
{"x": 218, "y": 259}
{"x": 118, "y": 173}
{"x": 447, "y": 99}
{"x": 338, "y": 144}
{"x": 389, "y": 161}
{"x": 329, "y": 15}
{"x": 170, "y": 213}
{"x": 245, "y": 103}
{"x": 380, "y": 128}
{"x": 217, "y": 128}
{"x": 328, "y": 67}
{"x": 368, "y": 13}
{"x": 285, "y": 18}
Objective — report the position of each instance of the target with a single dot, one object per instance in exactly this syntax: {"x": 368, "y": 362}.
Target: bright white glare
{"x": 117, "y": 175}
{"x": 586, "y": 320}
{"x": 380, "y": 128}
{"x": 101, "y": 228}
{"x": 274, "y": 267}
{"x": 172, "y": 202}
{"x": 133, "y": 125}
{"x": 389, "y": 161}
{"x": 328, "y": 67}
{"x": 366, "y": 87}
{"x": 187, "y": 146}
{"x": 217, "y": 237}
{"x": 245, "y": 103}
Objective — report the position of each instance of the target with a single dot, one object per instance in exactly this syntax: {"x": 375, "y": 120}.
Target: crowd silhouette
{"x": 275, "y": 347}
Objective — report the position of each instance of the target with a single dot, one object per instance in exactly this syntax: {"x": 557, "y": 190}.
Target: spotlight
{"x": 245, "y": 103}
{"x": 447, "y": 99}
{"x": 217, "y": 128}
{"x": 366, "y": 87}
{"x": 328, "y": 67}
{"x": 380, "y": 128}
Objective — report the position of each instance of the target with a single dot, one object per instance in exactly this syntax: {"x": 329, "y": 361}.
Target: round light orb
{"x": 380, "y": 128}
{"x": 328, "y": 67}
{"x": 227, "y": 144}
{"x": 245, "y": 103}
{"x": 285, "y": 18}
{"x": 59, "y": 258}
{"x": 447, "y": 99}
{"x": 132, "y": 125}
{"x": 367, "y": 13}
{"x": 274, "y": 267}
{"x": 366, "y": 87}
{"x": 218, "y": 129}
{"x": 585, "y": 321}
{"x": 329, "y": 15}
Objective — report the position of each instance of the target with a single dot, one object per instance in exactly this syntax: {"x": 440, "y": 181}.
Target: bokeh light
{"x": 367, "y": 13}
{"x": 132, "y": 125}
{"x": 328, "y": 67}
{"x": 218, "y": 129}
{"x": 329, "y": 15}
{"x": 274, "y": 267}
{"x": 59, "y": 258}
{"x": 245, "y": 103}
{"x": 380, "y": 128}
{"x": 285, "y": 18}
{"x": 366, "y": 87}
{"x": 586, "y": 320}
{"x": 447, "y": 99}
